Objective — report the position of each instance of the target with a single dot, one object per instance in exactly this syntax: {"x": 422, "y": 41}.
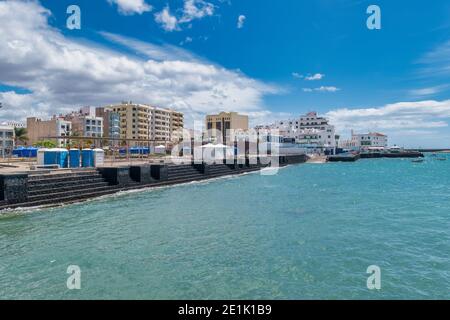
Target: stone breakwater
{"x": 348, "y": 157}
{"x": 53, "y": 188}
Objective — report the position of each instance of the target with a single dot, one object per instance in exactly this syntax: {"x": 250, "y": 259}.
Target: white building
{"x": 6, "y": 140}
{"x": 366, "y": 141}
{"x": 311, "y": 131}
{"x": 85, "y": 122}
{"x": 317, "y": 140}
{"x": 287, "y": 127}
{"x": 14, "y": 124}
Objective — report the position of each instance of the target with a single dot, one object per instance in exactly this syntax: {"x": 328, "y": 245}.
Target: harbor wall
{"x": 61, "y": 187}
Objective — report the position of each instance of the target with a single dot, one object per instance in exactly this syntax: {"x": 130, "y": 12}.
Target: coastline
{"x": 23, "y": 190}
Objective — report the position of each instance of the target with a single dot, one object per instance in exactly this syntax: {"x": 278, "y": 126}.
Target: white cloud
{"x": 167, "y": 20}
{"x": 436, "y": 63}
{"x": 327, "y": 89}
{"x": 427, "y": 91}
{"x": 186, "y": 40}
{"x": 241, "y": 21}
{"x": 196, "y": 9}
{"x": 130, "y": 7}
{"x": 309, "y": 77}
{"x": 63, "y": 74}
{"x": 317, "y": 76}
{"x": 322, "y": 89}
{"x": 192, "y": 10}
{"x": 151, "y": 51}
{"x": 400, "y": 116}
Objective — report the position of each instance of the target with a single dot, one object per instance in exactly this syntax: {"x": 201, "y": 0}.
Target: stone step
{"x": 181, "y": 169}
{"x": 185, "y": 176}
{"x": 55, "y": 180}
{"x": 220, "y": 166}
{"x": 48, "y": 189}
{"x": 64, "y": 184}
{"x": 182, "y": 172}
{"x": 176, "y": 180}
{"x": 41, "y": 177}
{"x": 74, "y": 193}
{"x": 224, "y": 169}
{"x": 65, "y": 199}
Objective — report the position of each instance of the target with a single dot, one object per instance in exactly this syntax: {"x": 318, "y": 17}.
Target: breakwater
{"x": 349, "y": 157}
{"x": 405, "y": 154}
{"x": 52, "y": 188}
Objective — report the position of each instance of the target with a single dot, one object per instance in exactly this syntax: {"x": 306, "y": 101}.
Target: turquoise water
{"x": 309, "y": 232}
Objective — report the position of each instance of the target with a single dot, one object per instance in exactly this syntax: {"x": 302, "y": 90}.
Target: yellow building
{"x": 135, "y": 120}
{"x": 220, "y": 123}
{"x": 145, "y": 122}
{"x": 176, "y": 125}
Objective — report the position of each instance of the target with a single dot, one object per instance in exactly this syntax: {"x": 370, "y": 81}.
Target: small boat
{"x": 441, "y": 159}
{"x": 418, "y": 161}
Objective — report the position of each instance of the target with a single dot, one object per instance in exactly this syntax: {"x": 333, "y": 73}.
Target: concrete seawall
{"x": 55, "y": 188}
{"x": 405, "y": 154}
{"x": 374, "y": 155}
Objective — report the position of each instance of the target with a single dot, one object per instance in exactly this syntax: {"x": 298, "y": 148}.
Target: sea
{"x": 311, "y": 231}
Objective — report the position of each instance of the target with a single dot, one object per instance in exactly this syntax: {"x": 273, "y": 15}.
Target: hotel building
{"x": 6, "y": 140}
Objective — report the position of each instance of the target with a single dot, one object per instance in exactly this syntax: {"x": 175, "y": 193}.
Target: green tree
{"x": 45, "y": 144}
{"x": 20, "y": 135}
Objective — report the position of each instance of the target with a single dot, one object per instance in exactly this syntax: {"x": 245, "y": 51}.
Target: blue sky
{"x": 190, "y": 53}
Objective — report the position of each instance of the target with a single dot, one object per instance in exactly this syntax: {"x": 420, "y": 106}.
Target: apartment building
{"x": 160, "y": 125}
{"x": 310, "y": 130}
{"x": 57, "y": 126}
{"x": 145, "y": 122}
{"x": 85, "y": 123}
{"x": 135, "y": 120}
{"x": 218, "y": 125}
{"x": 6, "y": 140}
{"x": 176, "y": 125}
{"x": 111, "y": 123}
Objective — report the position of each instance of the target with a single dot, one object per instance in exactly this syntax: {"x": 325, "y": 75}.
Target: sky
{"x": 269, "y": 59}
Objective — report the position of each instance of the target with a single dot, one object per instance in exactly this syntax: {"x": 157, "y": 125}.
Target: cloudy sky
{"x": 270, "y": 59}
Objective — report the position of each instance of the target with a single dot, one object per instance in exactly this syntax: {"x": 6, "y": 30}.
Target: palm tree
{"x": 20, "y": 135}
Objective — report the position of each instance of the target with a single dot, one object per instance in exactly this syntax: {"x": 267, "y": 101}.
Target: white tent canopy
{"x": 210, "y": 145}
{"x": 160, "y": 149}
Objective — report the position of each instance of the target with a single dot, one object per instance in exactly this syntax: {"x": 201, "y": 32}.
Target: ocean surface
{"x": 309, "y": 232}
